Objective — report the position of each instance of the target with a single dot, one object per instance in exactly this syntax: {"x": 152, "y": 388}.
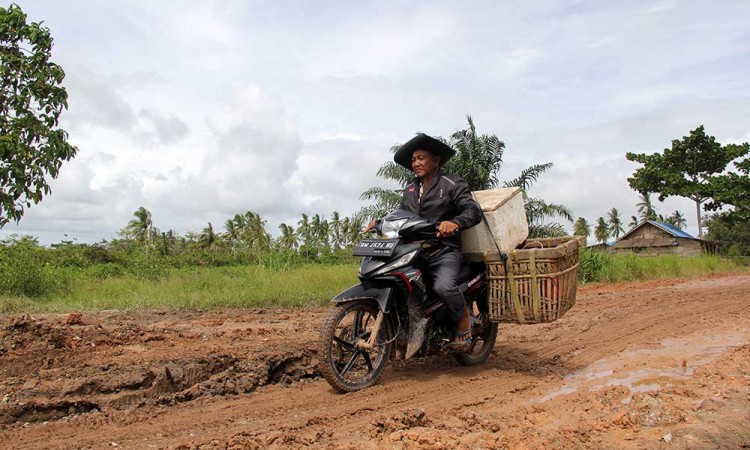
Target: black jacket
{"x": 447, "y": 197}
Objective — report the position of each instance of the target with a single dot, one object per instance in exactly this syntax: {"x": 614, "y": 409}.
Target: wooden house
{"x": 656, "y": 238}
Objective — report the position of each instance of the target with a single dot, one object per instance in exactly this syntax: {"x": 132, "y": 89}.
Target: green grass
{"x": 598, "y": 267}
{"x": 62, "y": 289}
{"x": 193, "y": 288}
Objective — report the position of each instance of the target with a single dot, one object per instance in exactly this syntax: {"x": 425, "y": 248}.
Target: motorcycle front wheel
{"x": 346, "y": 365}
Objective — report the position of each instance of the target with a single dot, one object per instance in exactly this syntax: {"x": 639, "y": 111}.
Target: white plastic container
{"x": 506, "y": 224}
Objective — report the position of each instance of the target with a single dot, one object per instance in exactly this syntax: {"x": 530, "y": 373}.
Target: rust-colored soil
{"x": 652, "y": 365}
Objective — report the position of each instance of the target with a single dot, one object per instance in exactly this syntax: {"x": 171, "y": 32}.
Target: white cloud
{"x": 200, "y": 110}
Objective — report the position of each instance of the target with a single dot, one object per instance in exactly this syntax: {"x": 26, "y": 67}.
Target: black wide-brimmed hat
{"x": 426, "y": 143}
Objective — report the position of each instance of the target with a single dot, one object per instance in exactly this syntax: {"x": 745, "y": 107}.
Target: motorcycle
{"x": 392, "y": 311}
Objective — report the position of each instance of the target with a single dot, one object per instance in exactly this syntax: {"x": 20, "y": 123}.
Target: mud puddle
{"x": 649, "y": 369}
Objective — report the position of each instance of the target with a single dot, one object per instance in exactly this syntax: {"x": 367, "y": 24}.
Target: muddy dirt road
{"x": 651, "y": 365}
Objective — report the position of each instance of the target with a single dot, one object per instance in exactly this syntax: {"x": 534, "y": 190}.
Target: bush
{"x": 145, "y": 266}
{"x": 593, "y": 264}
{"x": 104, "y": 271}
{"x": 69, "y": 254}
{"x": 22, "y": 268}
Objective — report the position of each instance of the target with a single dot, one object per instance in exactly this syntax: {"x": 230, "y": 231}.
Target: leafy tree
{"x": 733, "y": 230}
{"x": 615, "y": 223}
{"x": 601, "y": 232}
{"x": 733, "y": 189}
{"x": 582, "y": 228}
{"x": 686, "y": 169}
{"x": 31, "y": 100}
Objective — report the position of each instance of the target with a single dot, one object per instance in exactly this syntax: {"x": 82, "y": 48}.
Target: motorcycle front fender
{"x": 358, "y": 292}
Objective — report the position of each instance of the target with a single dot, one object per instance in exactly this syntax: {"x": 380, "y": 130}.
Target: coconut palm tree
{"x": 582, "y": 228}
{"x": 634, "y": 222}
{"x": 354, "y": 233}
{"x": 615, "y": 223}
{"x": 252, "y": 231}
{"x": 335, "y": 229}
{"x": 677, "y": 219}
{"x": 323, "y": 231}
{"x": 232, "y": 234}
{"x": 140, "y": 228}
{"x": 288, "y": 238}
{"x": 208, "y": 239}
{"x": 304, "y": 233}
{"x": 646, "y": 209}
{"x": 601, "y": 232}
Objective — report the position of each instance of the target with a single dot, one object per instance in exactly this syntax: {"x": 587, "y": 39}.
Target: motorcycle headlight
{"x": 389, "y": 228}
{"x": 402, "y": 261}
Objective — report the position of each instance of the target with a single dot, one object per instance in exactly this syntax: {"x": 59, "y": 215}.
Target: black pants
{"x": 443, "y": 267}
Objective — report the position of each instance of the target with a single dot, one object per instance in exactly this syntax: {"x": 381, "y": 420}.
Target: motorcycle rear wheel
{"x": 346, "y": 367}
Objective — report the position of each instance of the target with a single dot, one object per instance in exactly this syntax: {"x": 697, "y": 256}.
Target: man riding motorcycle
{"x": 446, "y": 199}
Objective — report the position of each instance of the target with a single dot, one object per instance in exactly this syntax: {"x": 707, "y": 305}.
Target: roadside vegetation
{"x": 79, "y": 277}
{"x": 243, "y": 265}
{"x": 600, "y": 267}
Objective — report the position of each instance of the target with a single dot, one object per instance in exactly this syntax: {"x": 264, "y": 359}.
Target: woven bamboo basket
{"x": 537, "y": 283}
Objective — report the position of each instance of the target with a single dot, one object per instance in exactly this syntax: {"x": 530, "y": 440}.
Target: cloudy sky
{"x": 198, "y": 110}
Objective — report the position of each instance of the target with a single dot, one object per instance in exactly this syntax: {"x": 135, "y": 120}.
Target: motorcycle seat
{"x": 469, "y": 271}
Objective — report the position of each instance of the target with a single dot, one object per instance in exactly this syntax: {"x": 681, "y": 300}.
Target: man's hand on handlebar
{"x": 447, "y": 228}
{"x": 370, "y": 226}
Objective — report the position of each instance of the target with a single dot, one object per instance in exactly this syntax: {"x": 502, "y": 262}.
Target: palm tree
{"x": 538, "y": 212}
{"x": 354, "y": 233}
{"x": 232, "y": 233}
{"x": 615, "y": 223}
{"x": 677, "y": 219}
{"x": 288, "y": 238}
{"x": 582, "y": 228}
{"x": 303, "y": 232}
{"x": 335, "y": 229}
{"x": 315, "y": 226}
{"x": 478, "y": 160}
{"x": 166, "y": 243}
{"x": 386, "y": 200}
{"x": 601, "y": 232}
{"x": 208, "y": 238}
{"x": 634, "y": 222}
{"x": 141, "y": 228}
{"x": 646, "y": 209}
{"x": 323, "y": 232}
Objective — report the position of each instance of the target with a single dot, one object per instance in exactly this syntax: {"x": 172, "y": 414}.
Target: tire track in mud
{"x": 257, "y": 382}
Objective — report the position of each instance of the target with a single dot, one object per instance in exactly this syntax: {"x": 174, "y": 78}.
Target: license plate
{"x": 375, "y": 247}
